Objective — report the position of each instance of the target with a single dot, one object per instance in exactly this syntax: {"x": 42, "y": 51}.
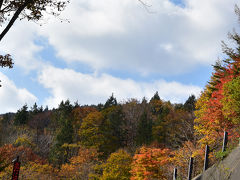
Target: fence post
{"x": 16, "y": 168}
{"x": 225, "y": 141}
{"x": 206, "y": 158}
{"x": 190, "y": 168}
{"x": 175, "y": 174}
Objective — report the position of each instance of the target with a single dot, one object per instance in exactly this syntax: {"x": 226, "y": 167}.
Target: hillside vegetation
{"x": 111, "y": 141}
{"x": 128, "y": 140}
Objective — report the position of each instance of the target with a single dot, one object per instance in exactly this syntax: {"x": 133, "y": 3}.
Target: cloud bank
{"x": 92, "y": 89}
{"x": 122, "y": 34}
{"x": 166, "y": 40}
{"x": 12, "y": 97}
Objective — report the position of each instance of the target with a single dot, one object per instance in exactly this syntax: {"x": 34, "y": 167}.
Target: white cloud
{"x": 66, "y": 84}
{"x": 19, "y": 42}
{"x": 12, "y": 97}
{"x": 121, "y": 34}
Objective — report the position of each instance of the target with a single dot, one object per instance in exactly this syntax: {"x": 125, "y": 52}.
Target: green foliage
{"x": 220, "y": 155}
{"x": 21, "y": 116}
{"x": 155, "y": 97}
{"x": 24, "y": 141}
{"x": 117, "y": 166}
{"x": 189, "y": 105}
{"x": 91, "y": 132}
{"x": 112, "y": 101}
{"x": 102, "y": 130}
{"x": 64, "y": 133}
{"x": 144, "y": 129}
{"x": 56, "y": 155}
{"x": 160, "y": 111}
{"x": 35, "y": 109}
{"x": 113, "y": 133}
{"x": 231, "y": 100}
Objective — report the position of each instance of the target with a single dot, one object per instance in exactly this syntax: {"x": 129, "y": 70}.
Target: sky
{"x": 96, "y": 48}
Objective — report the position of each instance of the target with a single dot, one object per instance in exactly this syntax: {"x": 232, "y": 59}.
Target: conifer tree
{"x": 21, "y": 116}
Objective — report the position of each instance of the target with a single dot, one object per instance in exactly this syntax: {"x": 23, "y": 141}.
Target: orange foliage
{"x": 211, "y": 120}
{"x": 32, "y": 166}
{"x": 81, "y": 165}
{"x": 8, "y": 152}
{"x": 150, "y": 163}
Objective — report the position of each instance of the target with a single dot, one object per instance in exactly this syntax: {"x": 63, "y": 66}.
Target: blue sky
{"x": 115, "y": 47}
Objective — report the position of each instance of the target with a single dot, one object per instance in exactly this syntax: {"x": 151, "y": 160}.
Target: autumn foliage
{"x": 137, "y": 140}
{"x": 150, "y": 163}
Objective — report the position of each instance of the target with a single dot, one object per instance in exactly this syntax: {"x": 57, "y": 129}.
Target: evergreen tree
{"x": 155, "y": 97}
{"x": 144, "y": 129}
{"x": 113, "y": 119}
{"x": 63, "y": 122}
{"x": 189, "y": 105}
{"x": 21, "y": 116}
{"x": 112, "y": 101}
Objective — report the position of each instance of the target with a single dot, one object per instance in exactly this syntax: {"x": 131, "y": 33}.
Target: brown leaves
{"x": 6, "y": 61}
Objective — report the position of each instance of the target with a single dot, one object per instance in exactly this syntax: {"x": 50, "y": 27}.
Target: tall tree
{"x": 112, "y": 101}
{"x": 113, "y": 120}
{"x": 217, "y": 105}
{"x": 151, "y": 163}
{"x": 189, "y": 105}
{"x": 145, "y": 125}
{"x": 21, "y": 116}
{"x": 132, "y": 113}
{"x": 118, "y": 166}
{"x": 92, "y": 132}
{"x": 62, "y": 124}
{"x": 155, "y": 97}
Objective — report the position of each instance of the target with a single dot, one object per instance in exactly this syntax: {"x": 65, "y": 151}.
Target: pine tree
{"x": 155, "y": 97}
{"x": 189, "y": 105}
{"x": 144, "y": 129}
{"x": 112, "y": 101}
{"x": 21, "y": 116}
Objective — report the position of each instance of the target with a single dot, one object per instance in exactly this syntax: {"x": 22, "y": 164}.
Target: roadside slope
{"x": 229, "y": 168}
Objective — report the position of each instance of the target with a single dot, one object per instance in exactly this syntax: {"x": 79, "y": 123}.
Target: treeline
{"x": 129, "y": 140}
{"x": 98, "y": 142}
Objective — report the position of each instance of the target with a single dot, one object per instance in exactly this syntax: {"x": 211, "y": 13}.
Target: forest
{"x": 133, "y": 139}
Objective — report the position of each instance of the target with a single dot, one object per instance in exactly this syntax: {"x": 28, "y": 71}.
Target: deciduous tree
{"x": 118, "y": 166}
{"x": 150, "y": 163}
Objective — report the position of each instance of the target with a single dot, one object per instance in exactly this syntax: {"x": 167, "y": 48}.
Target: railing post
{"x": 190, "y": 168}
{"x": 225, "y": 141}
{"x": 175, "y": 174}
{"x": 16, "y": 168}
{"x": 206, "y": 158}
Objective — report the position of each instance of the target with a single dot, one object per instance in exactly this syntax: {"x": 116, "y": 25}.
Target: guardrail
{"x": 206, "y": 159}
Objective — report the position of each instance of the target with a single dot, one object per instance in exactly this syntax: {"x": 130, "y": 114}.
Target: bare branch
{"x": 14, "y": 18}
{"x": 237, "y": 11}
{"x": 143, "y": 3}
{"x": 146, "y": 6}
{"x": 1, "y": 3}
